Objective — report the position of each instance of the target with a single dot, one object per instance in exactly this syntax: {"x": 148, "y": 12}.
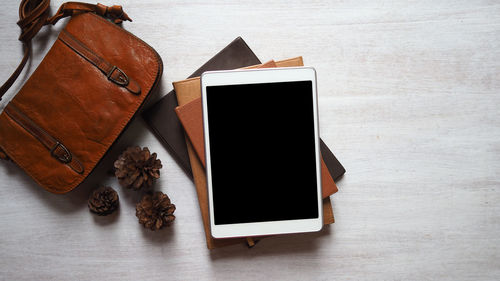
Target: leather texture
{"x": 34, "y": 14}
{"x": 191, "y": 117}
{"x": 332, "y": 164}
{"x": 161, "y": 117}
{"x": 187, "y": 91}
{"x": 80, "y": 98}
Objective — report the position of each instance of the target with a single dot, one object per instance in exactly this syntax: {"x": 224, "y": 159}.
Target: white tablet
{"x": 262, "y": 151}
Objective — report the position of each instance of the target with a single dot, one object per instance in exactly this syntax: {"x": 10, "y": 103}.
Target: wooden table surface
{"x": 408, "y": 96}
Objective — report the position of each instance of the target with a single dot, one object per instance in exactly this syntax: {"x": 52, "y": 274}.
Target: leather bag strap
{"x": 56, "y": 148}
{"x": 34, "y": 14}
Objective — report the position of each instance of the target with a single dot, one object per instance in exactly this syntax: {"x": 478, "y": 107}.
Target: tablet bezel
{"x": 259, "y": 76}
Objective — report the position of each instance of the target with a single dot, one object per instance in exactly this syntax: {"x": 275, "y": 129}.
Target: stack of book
{"x": 176, "y": 120}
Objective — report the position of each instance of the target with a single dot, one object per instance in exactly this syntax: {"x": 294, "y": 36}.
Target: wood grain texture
{"x": 409, "y": 97}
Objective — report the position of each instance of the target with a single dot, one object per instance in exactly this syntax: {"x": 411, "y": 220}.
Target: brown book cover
{"x": 187, "y": 91}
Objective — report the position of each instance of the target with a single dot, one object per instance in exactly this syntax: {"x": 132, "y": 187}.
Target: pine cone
{"x": 155, "y": 211}
{"x": 136, "y": 168}
{"x": 103, "y": 201}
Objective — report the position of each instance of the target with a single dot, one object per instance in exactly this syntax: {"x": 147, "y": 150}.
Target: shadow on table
{"x": 276, "y": 246}
{"x": 159, "y": 237}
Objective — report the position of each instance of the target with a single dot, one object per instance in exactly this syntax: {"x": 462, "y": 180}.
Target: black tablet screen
{"x": 262, "y": 150}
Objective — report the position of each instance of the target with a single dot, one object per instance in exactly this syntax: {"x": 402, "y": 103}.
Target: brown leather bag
{"x": 80, "y": 98}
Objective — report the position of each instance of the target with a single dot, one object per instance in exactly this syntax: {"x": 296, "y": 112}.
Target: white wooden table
{"x": 409, "y": 97}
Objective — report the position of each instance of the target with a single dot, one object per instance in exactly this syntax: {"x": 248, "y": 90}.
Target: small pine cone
{"x": 103, "y": 201}
{"x": 155, "y": 211}
{"x": 136, "y": 168}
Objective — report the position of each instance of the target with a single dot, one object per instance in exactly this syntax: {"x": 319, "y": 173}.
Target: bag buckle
{"x": 64, "y": 157}
{"x": 122, "y": 78}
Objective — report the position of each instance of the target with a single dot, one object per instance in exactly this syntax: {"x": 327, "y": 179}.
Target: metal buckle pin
{"x": 65, "y": 158}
